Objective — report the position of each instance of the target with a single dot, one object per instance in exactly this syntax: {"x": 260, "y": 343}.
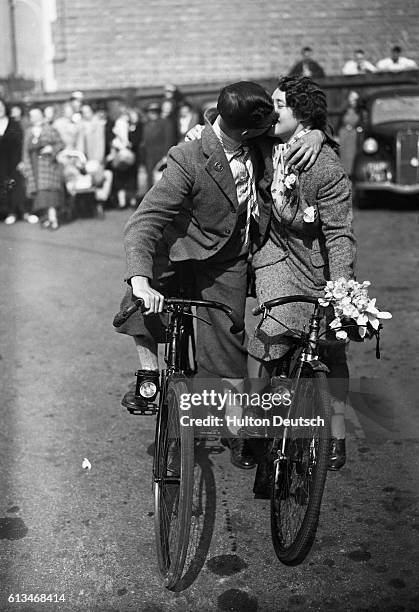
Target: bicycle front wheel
{"x": 300, "y": 473}
{"x": 173, "y": 484}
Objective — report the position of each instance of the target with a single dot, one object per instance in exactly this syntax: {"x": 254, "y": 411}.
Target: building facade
{"x": 100, "y": 44}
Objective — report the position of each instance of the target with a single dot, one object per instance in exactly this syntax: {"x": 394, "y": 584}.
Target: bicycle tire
{"x": 173, "y": 488}
{"x": 299, "y": 478}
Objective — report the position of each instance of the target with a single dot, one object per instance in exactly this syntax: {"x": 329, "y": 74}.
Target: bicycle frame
{"x": 308, "y": 356}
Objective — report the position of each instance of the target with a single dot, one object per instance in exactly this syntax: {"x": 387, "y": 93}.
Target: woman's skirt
{"x": 273, "y": 339}
{"x": 45, "y": 199}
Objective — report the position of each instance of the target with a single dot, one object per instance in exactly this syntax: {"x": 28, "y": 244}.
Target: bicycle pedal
{"x": 149, "y": 410}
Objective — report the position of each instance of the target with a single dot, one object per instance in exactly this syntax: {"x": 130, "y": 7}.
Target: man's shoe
{"x": 132, "y": 402}
{"x": 240, "y": 453}
{"x": 263, "y": 479}
{"x": 138, "y": 398}
{"x": 337, "y": 454}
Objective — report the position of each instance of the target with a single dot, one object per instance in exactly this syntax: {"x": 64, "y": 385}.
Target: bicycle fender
{"x": 317, "y": 366}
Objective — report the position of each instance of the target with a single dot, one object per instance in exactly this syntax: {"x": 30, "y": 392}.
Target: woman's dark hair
{"x": 307, "y": 101}
{"x": 245, "y": 105}
{"x": 6, "y": 106}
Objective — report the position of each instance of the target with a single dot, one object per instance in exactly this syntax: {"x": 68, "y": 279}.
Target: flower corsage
{"x": 356, "y": 315}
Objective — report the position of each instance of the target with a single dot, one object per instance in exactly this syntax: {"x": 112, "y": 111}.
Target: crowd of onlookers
{"x": 359, "y": 64}
{"x": 76, "y": 159}
{"x": 58, "y": 162}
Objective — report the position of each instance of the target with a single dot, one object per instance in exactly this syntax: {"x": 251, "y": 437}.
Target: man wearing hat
{"x": 154, "y": 146}
{"x": 76, "y": 101}
{"x": 211, "y": 205}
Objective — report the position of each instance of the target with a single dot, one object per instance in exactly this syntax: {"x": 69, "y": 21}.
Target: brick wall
{"x": 134, "y": 43}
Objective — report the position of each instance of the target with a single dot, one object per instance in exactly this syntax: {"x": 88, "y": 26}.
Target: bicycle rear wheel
{"x": 299, "y": 477}
{"x": 173, "y": 484}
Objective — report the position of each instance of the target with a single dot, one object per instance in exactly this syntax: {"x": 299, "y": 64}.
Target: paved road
{"x": 88, "y": 535}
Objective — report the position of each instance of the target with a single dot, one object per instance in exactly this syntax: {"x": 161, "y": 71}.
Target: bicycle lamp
{"x": 147, "y": 385}
{"x": 148, "y": 389}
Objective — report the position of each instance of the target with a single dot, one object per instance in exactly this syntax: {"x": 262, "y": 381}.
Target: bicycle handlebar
{"x": 237, "y": 323}
{"x": 280, "y": 301}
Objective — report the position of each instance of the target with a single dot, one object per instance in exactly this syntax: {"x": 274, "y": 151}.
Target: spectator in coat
{"x": 43, "y": 173}
{"x": 188, "y": 117}
{"x": 68, "y": 129}
{"x": 396, "y": 62}
{"x": 307, "y": 66}
{"x": 349, "y": 131}
{"x": 124, "y": 155}
{"x": 12, "y": 189}
{"x": 155, "y": 141}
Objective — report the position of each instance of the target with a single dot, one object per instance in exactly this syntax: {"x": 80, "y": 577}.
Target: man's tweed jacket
{"x": 193, "y": 207}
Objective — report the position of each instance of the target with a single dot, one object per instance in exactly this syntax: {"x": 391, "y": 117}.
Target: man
{"x": 307, "y": 66}
{"x": 211, "y": 203}
{"x": 396, "y": 62}
{"x": 154, "y": 145}
{"x": 358, "y": 65}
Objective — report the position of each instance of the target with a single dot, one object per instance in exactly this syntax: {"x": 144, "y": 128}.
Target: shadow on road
{"x": 203, "y": 511}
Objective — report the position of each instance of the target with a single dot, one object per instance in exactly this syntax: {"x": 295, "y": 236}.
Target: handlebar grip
{"x": 257, "y": 310}
{"x": 238, "y": 324}
{"x": 124, "y": 315}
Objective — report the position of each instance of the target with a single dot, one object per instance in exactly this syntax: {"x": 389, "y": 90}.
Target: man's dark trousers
{"x": 221, "y": 278}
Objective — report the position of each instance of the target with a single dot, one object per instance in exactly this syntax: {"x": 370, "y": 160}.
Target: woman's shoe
{"x": 30, "y": 218}
{"x": 45, "y": 224}
{"x": 10, "y": 219}
{"x": 337, "y": 454}
{"x": 53, "y": 225}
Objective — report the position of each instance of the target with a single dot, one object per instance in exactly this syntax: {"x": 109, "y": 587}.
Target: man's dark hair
{"x": 396, "y": 49}
{"x": 246, "y": 105}
{"x": 304, "y": 49}
{"x": 306, "y": 99}
{"x": 360, "y": 51}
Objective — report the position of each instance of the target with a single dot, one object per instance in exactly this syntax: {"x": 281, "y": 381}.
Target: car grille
{"x": 407, "y": 157}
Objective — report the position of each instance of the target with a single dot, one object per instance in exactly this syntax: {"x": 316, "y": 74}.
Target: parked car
{"x": 387, "y": 161}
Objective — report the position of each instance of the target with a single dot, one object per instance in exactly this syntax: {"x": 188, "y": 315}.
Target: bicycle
{"x": 299, "y": 456}
{"x": 173, "y": 463}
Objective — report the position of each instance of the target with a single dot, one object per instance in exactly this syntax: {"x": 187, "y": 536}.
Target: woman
{"x": 12, "y": 193}
{"x": 311, "y": 241}
{"x": 350, "y": 123}
{"x": 42, "y": 171}
{"x": 124, "y": 156}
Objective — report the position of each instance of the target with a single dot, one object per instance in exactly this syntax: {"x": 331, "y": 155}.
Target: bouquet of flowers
{"x": 354, "y": 309}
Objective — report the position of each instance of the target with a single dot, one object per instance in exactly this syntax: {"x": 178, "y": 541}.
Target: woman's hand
{"x": 304, "y": 152}
{"x": 153, "y": 300}
{"x": 194, "y": 133}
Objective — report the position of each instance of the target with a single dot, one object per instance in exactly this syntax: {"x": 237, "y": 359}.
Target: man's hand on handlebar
{"x": 153, "y": 300}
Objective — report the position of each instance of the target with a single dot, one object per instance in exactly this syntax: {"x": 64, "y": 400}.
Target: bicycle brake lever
{"x": 196, "y": 317}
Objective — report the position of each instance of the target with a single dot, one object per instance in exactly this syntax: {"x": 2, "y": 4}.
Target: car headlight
{"x": 370, "y": 146}
{"x": 148, "y": 389}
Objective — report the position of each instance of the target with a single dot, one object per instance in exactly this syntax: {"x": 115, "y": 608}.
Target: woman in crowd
{"x": 311, "y": 241}
{"x": 348, "y": 133}
{"x": 43, "y": 173}
{"x": 124, "y": 155}
{"x": 188, "y": 117}
{"x": 12, "y": 193}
